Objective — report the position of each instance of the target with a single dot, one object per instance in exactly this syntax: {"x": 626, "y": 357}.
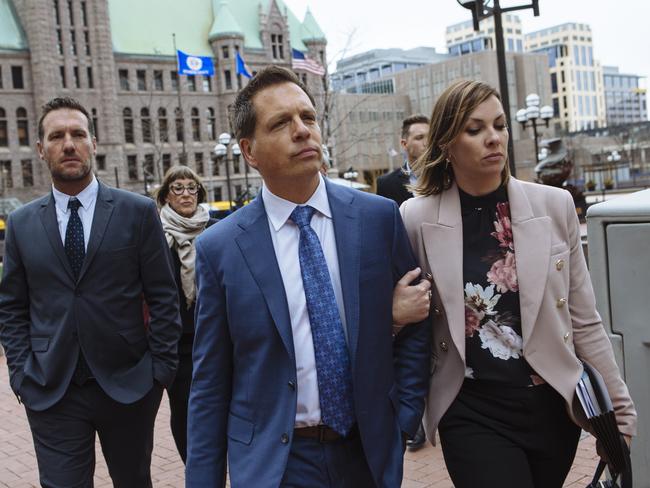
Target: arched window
{"x": 196, "y": 124}
{"x": 180, "y": 130}
{"x": 146, "y": 125}
{"x": 127, "y": 117}
{"x": 211, "y": 127}
{"x": 163, "y": 128}
{"x": 23, "y": 126}
{"x": 4, "y": 137}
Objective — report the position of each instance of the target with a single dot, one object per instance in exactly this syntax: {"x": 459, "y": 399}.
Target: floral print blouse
{"x": 492, "y": 314}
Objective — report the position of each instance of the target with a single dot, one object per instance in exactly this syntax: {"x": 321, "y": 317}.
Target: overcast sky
{"x": 620, "y": 28}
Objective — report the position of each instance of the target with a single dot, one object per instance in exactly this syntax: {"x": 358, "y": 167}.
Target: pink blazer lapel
{"x": 443, "y": 243}
{"x": 532, "y": 240}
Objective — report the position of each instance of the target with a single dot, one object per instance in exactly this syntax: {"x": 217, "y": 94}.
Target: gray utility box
{"x": 619, "y": 260}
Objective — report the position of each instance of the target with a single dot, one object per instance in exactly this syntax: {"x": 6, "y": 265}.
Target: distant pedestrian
{"x": 77, "y": 265}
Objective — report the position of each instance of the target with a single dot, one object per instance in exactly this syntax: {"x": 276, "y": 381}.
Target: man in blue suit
{"x": 298, "y": 379}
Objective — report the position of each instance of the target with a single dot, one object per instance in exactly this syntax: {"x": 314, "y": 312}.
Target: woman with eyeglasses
{"x": 183, "y": 219}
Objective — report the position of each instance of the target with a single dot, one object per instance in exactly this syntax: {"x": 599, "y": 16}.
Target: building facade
{"x": 120, "y": 64}
{"x": 461, "y": 38}
{"x": 625, "y": 99}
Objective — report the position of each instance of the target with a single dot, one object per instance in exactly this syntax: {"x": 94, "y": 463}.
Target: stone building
{"x": 118, "y": 58}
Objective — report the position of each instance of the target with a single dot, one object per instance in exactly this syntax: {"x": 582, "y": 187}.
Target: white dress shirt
{"x": 87, "y": 197}
{"x": 286, "y": 236}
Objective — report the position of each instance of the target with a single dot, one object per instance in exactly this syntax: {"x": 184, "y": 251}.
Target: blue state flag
{"x": 242, "y": 69}
{"x": 194, "y": 65}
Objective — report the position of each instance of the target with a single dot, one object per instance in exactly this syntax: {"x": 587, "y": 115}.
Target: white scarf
{"x": 180, "y": 233}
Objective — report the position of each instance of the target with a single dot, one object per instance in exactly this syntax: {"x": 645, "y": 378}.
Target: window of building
{"x": 148, "y": 166}
{"x": 93, "y": 113}
{"x": 554, "y": 83}
{"x": 17, "y": 77}
{"x": 75, "y": 76}
{"x": 211, "y": 125}
{"x": 57, "y": 15}
{"x": 174, "y": 78}
{"x": 141, "y": 76}
{"x": 89, "y": 74}
{"x": 5, "y": 173}
{"x": 163, "y": 129}
{"x": 180, "y": 130}
{"x": 511, "y": 44}
{"x": 64, "y": 83}
{"x": 191, "y": 83}
{"x": 207, "y": 83}
{"x": 145, "y": 119}
{"x": 277, "y": 46}
{"x": 100, "y": 159}
{"x": 27, "y": 172}
{"x": 87, "y": 42}
{"x": 215, "y": 171}
{"x": 23, "y": 126}
{"x": 132, "y": 166}
{"x": 73, "y": 42}
{"x": 70, "y": 12}
{"x": 225, "y": 52}
{"x": 124, "y": 79}
{"x": 198, "y": 162}
{"x": 59, "y": 41}
{"x": 235, "y": 165}
{"x": 166, "y": 162}
{"x": 84, "y": 14}
{"x": 218, "y": 193}
{"x": 4, "y": 136}
{"x": 556, "y": 107}
{"x": 196, "y": 124}
{"x": 158, "y": 80}
{"x": 228, "y": 79}
{"x": 127, "y": 117}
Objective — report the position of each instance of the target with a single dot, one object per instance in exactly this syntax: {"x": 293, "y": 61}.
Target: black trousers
{"x": 511, "y": 437}
{"x": 64, "y": 437}
{"x": 179, "y": 394}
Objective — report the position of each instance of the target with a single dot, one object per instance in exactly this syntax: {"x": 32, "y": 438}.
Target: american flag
{"x": 300, "y": 61}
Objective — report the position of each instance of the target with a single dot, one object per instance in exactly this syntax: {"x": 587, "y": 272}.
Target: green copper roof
{"x": 12, "y": 35}
{"x": 311, "y": 31}
{"x": 224, "y": 21}
{"x": 146, "y": 26}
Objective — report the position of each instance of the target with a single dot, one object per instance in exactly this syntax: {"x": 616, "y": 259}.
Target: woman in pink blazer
{"x": 513, "y": 309}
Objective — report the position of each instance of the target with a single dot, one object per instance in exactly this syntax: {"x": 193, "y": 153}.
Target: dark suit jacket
{"x": 393, "y": 185}
{"x": 243, "y": 397}
{"x": 45, "y": 317}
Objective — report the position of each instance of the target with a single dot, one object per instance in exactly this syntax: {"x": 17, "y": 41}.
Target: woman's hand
{"x": 411, "y": 302}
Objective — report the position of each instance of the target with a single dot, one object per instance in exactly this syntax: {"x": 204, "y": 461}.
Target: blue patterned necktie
{"x": 74, "y": 238}
{"x": 330, "y": 348}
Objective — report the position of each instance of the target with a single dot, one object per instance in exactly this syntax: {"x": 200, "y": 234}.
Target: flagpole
{"x": 183, "y": 158}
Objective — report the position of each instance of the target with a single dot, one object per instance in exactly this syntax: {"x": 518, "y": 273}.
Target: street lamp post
{"x": 482, "y": 9}
{"x": 351, "y": 175}
{"x": 221, "y": 151}
{"x": 529, "y": 116}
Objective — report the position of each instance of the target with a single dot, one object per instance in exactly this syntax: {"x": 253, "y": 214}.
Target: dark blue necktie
{"x": 330, "y": 348}
{"x": 74, "y": 238}
{"x": 76, "y": 252}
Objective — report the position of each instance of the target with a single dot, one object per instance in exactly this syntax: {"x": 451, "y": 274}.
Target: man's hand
{"x": 411, "y": 302}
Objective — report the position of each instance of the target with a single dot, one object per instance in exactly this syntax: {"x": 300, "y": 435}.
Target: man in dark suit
{"x": 78, "y": 264}
{"x": 414, "y": 139}
{"x": 297, "y": 378}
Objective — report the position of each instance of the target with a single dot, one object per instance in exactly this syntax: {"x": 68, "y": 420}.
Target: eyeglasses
{"x": 178, "y": 190}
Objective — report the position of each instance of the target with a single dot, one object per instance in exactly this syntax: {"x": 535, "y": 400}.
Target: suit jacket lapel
{"x": 443, "y": 243}
{"x": 103, "y": 212}
{"x": 257, "y": 248}
{"x": 532, "y": 241}
{"x": 51, "y": 225}
{"x": 347, "y": 231}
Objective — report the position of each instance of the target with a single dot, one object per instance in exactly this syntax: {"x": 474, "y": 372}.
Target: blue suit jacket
{"x": 46, "y": 316}
{"x": 243, "y": 397}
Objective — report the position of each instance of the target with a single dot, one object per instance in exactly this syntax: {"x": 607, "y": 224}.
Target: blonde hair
{"x": 450, "y": 114}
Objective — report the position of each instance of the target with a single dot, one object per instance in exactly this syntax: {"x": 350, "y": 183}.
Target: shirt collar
{"x": 279, "y": 210}
{"x": 85, "y": 196}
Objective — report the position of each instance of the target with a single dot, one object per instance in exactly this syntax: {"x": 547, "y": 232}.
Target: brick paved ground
{"x": 422, "y": 469}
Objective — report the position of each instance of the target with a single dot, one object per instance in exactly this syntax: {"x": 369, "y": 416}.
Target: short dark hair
{"x": 64, "y": 102}
{"x": 179, "y": 172}
{"x": 242, "y": 112}
{"x": 413, "y": 119}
